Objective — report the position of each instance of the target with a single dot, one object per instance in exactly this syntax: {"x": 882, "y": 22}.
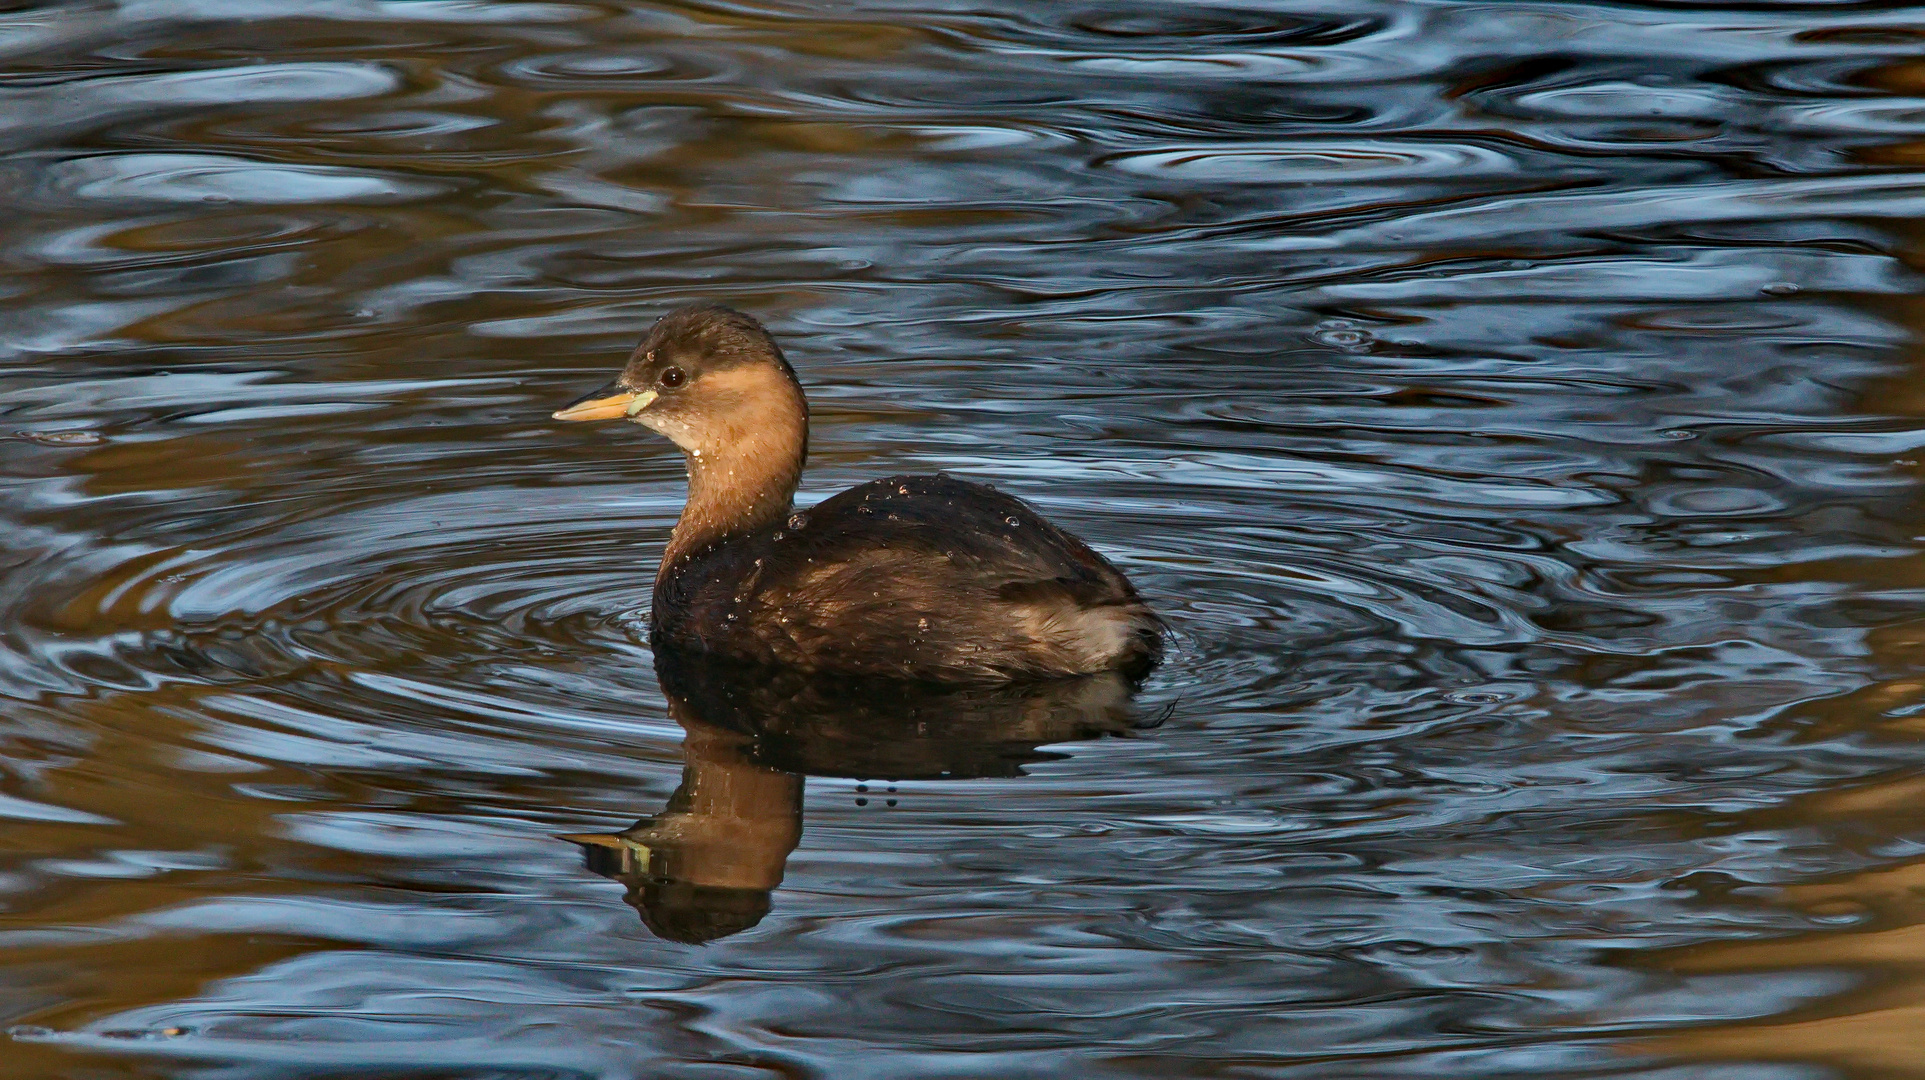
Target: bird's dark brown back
{"x": 913, "y": 576}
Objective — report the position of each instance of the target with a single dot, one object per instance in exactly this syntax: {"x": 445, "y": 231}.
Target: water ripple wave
{"x": 1514, "y": 408}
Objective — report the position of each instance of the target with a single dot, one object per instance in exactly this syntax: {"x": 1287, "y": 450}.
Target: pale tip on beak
{"x": 602, "y": 405}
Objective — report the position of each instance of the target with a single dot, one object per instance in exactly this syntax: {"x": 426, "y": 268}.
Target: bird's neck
{"x": 737, "y": 486}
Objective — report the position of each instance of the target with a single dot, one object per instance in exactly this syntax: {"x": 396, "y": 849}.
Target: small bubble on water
{"x": 1012, "y": 520}
{"x": 1678, "y": 433}
{"x": 1779, "y": 288}
{"x": 1476, "y": 697}
{"x": 1343, "y": 334}
{"x": 63, "y": 438}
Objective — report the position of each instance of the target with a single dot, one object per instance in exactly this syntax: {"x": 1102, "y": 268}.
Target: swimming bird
{"x": 926, "y": 578}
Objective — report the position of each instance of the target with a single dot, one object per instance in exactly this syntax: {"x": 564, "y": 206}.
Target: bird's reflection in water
{"x": 705, "y": 866}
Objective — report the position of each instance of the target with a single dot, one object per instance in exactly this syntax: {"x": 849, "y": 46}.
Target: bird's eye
{"x": 673, "y": 377}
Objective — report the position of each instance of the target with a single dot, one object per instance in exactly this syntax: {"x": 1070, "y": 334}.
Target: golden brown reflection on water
{"x": 1872, "y": 922}
{"x": 1516, "y": 409}
{"x": 1873, "y": 1027}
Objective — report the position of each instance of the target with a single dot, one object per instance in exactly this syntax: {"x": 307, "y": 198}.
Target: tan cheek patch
{"x": 749, "y": 411}
{"x": 747, "y": 408}
{"x": 747, "y": 383}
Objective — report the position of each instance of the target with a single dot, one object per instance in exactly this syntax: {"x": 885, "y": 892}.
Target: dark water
{"x": 1516, "y": 407}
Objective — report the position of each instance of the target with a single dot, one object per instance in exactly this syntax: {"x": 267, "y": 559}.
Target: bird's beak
{"x": 611, "y": 853}
{"x": 611, "y": 402}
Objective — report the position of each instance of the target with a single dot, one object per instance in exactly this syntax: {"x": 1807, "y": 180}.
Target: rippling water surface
{"x": 1517, "y": 408}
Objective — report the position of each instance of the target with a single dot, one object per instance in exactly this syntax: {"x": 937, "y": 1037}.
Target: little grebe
{"x": 916, "y": 577}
